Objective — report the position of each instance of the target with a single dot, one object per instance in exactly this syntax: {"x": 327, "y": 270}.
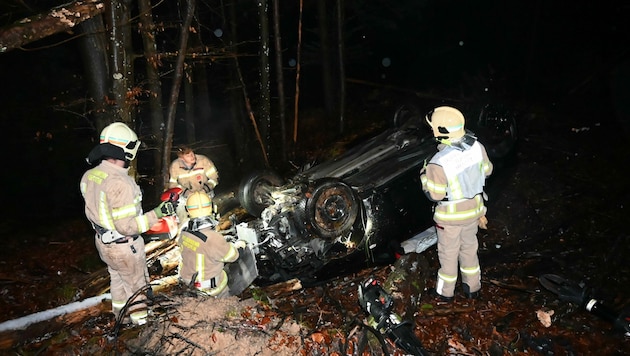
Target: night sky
{"x": 566, "y": 56}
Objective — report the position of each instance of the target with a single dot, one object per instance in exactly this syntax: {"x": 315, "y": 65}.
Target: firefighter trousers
{"x": 457, "y": 247}
{"x": 127, "y": 266}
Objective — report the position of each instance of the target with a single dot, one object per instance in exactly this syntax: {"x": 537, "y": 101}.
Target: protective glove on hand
{"x": 240, "y": 244}
{"x": 483, "y": 223}
{"x": 165, "y": 208}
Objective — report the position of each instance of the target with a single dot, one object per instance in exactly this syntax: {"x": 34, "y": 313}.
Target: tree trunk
{"x": 242, "y": 139}
{"x": 265, "y": 101}
{"x": 280, "y": 78}
{"x": 177, "y": 81}
{"x": 297, "y": 76}
{"x": 342, "y": 70}
{"x": 189, "y": 107}
{"x": 324, "y": 45}
{"x": 153, "y": 81}
{"x": 202, "y": 110}
{"x": 93, "y": 47}
{"x": 122, "y": 66}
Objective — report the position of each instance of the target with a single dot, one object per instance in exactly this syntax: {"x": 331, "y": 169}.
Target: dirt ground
{"x": 559, "y": 208}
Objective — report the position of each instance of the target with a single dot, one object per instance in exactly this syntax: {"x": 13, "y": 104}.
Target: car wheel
{"x": 254, "y": 191}
{"x": 404, "y": 113}
{"x": 332, "y": 208}
{"x": 498, "y": 127}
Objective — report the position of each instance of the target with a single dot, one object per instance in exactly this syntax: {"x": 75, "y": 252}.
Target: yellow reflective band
{"x": 216, "y": 291}
{"x": 143, "y": 223}
{"x": 104, "y": 219}
{"x": 462, "y": 215}
{"x": 230, "y": 255}
{"x": 139, "y": 317}
{"x": 470, "y": 270}
{"x": 436, "y": 188}
{"x": 211, "y": 171}
{"x": 118, "y": 304}
{"x": 447, "y": 278}
{"x": 201, "y": 266}
{"x": 97, "y": 176}
{"x": 124, "y": 211}
{"x": 189, "y": 243}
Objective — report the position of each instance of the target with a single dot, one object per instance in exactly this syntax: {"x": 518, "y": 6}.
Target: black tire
{"x": 403, "y": 114}
{"x": 497, "y": 127}
{"x": 253, "y": 193}
{"x": 332, "y": 208}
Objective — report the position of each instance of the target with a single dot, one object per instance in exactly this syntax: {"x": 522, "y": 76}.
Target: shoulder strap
{"x": 200, "y": 235}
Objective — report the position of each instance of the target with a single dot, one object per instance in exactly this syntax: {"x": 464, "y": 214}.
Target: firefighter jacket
{"x": 196, "y": 178}
{"x": 204, "y": 253}
{"x": 455, "y": 178}
{"x": 113, "y": 201}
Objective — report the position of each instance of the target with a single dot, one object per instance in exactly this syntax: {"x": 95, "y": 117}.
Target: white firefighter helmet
{"x": 199, "y": 205}
{"x": 447, "y": 123}
{"x": 120, "y": 135}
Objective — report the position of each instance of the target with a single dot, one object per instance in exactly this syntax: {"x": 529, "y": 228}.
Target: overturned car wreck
{"x": 357, "y": 207}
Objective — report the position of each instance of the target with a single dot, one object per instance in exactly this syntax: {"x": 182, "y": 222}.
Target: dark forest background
{"x": 570, "y": 57}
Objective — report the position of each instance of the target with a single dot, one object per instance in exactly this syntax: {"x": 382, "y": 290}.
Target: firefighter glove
{"x": 483, "y": 222}
{"x": 165, "y": 208}
{"x": 240, "y": 244}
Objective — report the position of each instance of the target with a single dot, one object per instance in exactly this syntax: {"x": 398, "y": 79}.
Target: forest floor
{"x": 561, "y": 209}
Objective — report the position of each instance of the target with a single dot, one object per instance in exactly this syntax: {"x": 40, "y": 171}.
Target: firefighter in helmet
{"x": 454, "y": 179}
{"x": 113, "y": 206}
{"x": 204, "y": 251}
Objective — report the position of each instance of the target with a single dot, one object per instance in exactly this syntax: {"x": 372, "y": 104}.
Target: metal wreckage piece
{"x": 375, "y": 301}
{"x": 575, "y": 293}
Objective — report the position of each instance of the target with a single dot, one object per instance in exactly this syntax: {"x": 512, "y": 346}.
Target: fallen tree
{"x": 58, "y": 19}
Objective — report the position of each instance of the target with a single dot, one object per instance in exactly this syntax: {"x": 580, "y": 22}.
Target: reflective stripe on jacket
{"x": 455, "y": 179}
{"x": 205, "y": 258}
{"x": 194, "y": 178}
{"x": 113, "y": 200}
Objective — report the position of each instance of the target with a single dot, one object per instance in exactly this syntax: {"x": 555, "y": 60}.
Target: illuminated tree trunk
{"x": 324, "y": 47}
{"x": 153, "y": 80}
{"x": 94, "y": 56}
{"x": 280, "y": 78}
{"x": 177, "y": 81}
{"x": 121, "y": 60}
{"x": 342, "y": 70}
{"x": 265, "y": 101}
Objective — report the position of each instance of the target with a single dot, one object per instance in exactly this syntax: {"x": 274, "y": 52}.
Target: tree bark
{"x": 280, "y": 78}
{"x": 154, "y": 86}
{"x": 324, "y": 46}
{"x": 342, "y": 70}
{"x": 189, "y": 107}
{"x": 93, "y": 47}
{"x": 177, "y": 81}
{"x": 59, "y": 19}
{"x": 297, "y": 77}
{"x": 265, "y": 101}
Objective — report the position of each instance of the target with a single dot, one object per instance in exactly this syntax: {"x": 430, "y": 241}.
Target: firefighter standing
{"x": 454, "y": 178}
{"x": 204, "y": 251}
{"x": 113, "y": 206}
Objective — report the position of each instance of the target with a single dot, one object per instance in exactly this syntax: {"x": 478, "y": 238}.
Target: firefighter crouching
{"x": 113, "y": 206}
{"x": 454, "y": 178}
{"x": 204, "y": 251}
{"x": 192, "y": 173}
